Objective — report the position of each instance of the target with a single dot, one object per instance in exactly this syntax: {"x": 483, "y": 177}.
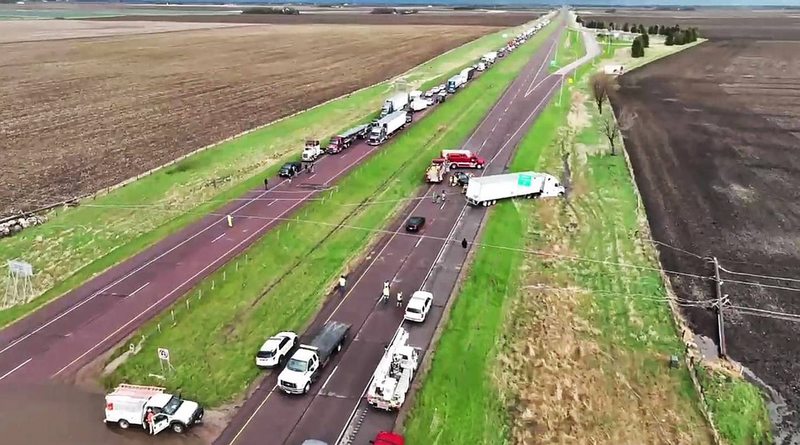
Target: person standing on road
{"x": 386, "y": 291}
{"x": 435, "y": 197}
{"x": 342, "y": 285}
{"x": 400, "y": 299}
{"x": 230, "y": 221}
{"x": 149, "y": 418}
{"x": 444, "y": 193}
{"x": 266, "y": 183}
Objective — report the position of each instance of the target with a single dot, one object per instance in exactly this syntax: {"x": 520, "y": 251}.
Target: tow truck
{"x": 392, "y": 378}
{"x": 436, "y": 171}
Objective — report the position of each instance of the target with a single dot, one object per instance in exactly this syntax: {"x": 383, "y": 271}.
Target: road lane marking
{"x": 217, "y": 238}
{"x": 328, "y": 379}
{"x": 135, "y": 271}
{"x": 18, "y": 366}
{"x": 232, "y": 249}
{"x": 418, "y": 241}
{"x": 250, "y": 419}
{"x": 137, "y": 290}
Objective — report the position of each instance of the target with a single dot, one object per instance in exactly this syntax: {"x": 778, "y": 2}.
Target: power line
{"x": 769, "y": 277}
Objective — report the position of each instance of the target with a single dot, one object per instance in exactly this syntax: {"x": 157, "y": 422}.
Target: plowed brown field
{"x": 82, "y": 114}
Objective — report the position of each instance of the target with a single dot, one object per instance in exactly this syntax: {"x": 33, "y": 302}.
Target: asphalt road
{"x": 66, "y": 334}
{"x": 335, "y": 410}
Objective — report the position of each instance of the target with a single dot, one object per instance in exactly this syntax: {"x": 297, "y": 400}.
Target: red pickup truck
{"x": 463, "y": 159}
{"x": 386, "y": 438}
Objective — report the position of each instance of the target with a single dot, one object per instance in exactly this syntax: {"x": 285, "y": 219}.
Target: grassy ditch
{"x": 78, "y": 243}
{"x": 566, "y": 351}
{"x": 571, "y": 48}
{"x": 738, "y": 408}
{"x": 213, "y": 341}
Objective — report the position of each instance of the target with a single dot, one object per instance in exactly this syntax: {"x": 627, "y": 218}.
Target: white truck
{"x": 386, "y": 127}
{"x": 392, "y": 378}
{"x": 489, "y": 58}
{"x": 395, "y": 103}
{"x": 312, "y": 151}
{"x": 486, "y": 190}
{"x": 307, "y": 362}
{"x": 419, "y": 104}
{"x": 455, "y": 82}
{"x": 128, "y": 404}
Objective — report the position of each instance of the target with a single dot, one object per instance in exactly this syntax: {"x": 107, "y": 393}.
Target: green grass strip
{"x": 78, "y": 243}
{"x": 282, "y": 280}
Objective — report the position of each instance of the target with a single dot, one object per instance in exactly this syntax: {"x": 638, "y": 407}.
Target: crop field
{"x": 714, "y": 150}
{"x": 80, "y": 115}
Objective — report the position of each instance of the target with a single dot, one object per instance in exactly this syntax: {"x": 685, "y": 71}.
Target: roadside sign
{"x": 553, "y": 63}
{"x": 163, "y": 353}
{"x": 524, "y": 180}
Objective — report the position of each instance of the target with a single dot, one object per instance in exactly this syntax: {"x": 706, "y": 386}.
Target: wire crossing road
{"x": 335, "y": 410}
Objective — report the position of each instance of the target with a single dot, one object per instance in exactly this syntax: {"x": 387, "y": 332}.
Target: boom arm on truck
{"x": 392, "y": 378}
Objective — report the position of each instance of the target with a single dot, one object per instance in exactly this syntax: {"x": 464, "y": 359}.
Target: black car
{"x": 290, "y": 169}
{"x": 462, "y": 178}
{"x": 415, "y": 223}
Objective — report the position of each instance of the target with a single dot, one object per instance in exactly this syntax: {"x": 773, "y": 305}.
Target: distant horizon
{"x": 645, "y": 4}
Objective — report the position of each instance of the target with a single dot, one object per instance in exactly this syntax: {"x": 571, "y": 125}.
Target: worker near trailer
{"x": 400, "y": 299}
{"x": 149, "y": 419}
{"x": 444, "y": 195}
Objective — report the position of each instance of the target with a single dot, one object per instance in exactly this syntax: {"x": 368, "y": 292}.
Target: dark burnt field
{"x": 715, "y": 152}
{"x": 350, "y": 18}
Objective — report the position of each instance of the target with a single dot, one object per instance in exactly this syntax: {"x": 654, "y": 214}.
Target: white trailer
{"x": 418, "y": 104}
{"x": 386, "y": 127}
{"x": 128, "y": 404}
{"x": 486, "y": 190}
{"x": 392, "y": 378}
{"x": 489, "y": 58}
{"x": 395, "y": 103}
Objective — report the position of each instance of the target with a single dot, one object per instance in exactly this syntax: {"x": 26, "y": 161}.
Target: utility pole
{"x": 723, "y": 353}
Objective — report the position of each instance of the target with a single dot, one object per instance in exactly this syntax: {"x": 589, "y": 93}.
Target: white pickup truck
{"x": 127, "y": 405}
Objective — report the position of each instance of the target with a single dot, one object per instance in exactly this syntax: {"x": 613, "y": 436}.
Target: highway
{"x": 335, "y": 410}
{"x": 70, "y": 332}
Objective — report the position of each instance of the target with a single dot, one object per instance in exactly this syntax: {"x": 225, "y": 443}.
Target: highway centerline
{"x": 17, "y": 367}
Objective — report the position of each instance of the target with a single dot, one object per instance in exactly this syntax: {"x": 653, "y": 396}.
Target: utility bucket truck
{"x": 386, "y": 127}
{"x": 307, "y": 362}
{"x": 486, "y": 190}
{"x": 127, "y": 405}
{"x": 392, "y": 378}
{"x": 436, "y": 171}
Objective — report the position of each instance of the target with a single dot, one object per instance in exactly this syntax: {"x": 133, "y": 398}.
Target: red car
{"x": 463, "y": 159}
{"x": 387, "y": 438}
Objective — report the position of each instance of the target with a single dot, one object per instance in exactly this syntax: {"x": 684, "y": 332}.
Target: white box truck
{"x": 395, "y": 103}
{"x": 392, "y": 378}
{"x": 128, "y": 404}
{"x": 455, "y": 82}
{"x": 486, "y": 190}
{"x": 386, "y": 127}
{"x": 489, "y": 58}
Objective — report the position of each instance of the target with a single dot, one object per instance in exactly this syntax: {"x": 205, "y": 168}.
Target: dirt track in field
{"x": 81, "y": 115}
{"x": 714, "y": 149}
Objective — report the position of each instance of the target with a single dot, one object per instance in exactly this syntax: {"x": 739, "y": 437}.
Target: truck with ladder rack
{"x": 436, "y": 171}
{"x": 392, "y": 378}
{"x": 128, "y": 405}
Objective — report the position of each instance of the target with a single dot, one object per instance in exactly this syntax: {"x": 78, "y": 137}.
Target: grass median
{"x": 78, "y": 243}
{"x": 281, "y": 281}
{"x": 554, "y": 347}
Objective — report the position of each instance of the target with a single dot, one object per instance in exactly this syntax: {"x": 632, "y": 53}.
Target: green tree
{"x": 669, "y": 41}
{"x": 637, "y": 48}
{"x": 645, "y": 40}
{"x": 625, "y": 27}
{"x": 642, "y": 30}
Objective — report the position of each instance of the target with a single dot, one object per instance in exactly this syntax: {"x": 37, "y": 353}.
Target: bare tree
{"x": 603, "y": 86}
{"x": 611, "y": 127}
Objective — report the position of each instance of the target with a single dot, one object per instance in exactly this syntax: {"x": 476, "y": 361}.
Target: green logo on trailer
{"x": 524, "y": 180}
